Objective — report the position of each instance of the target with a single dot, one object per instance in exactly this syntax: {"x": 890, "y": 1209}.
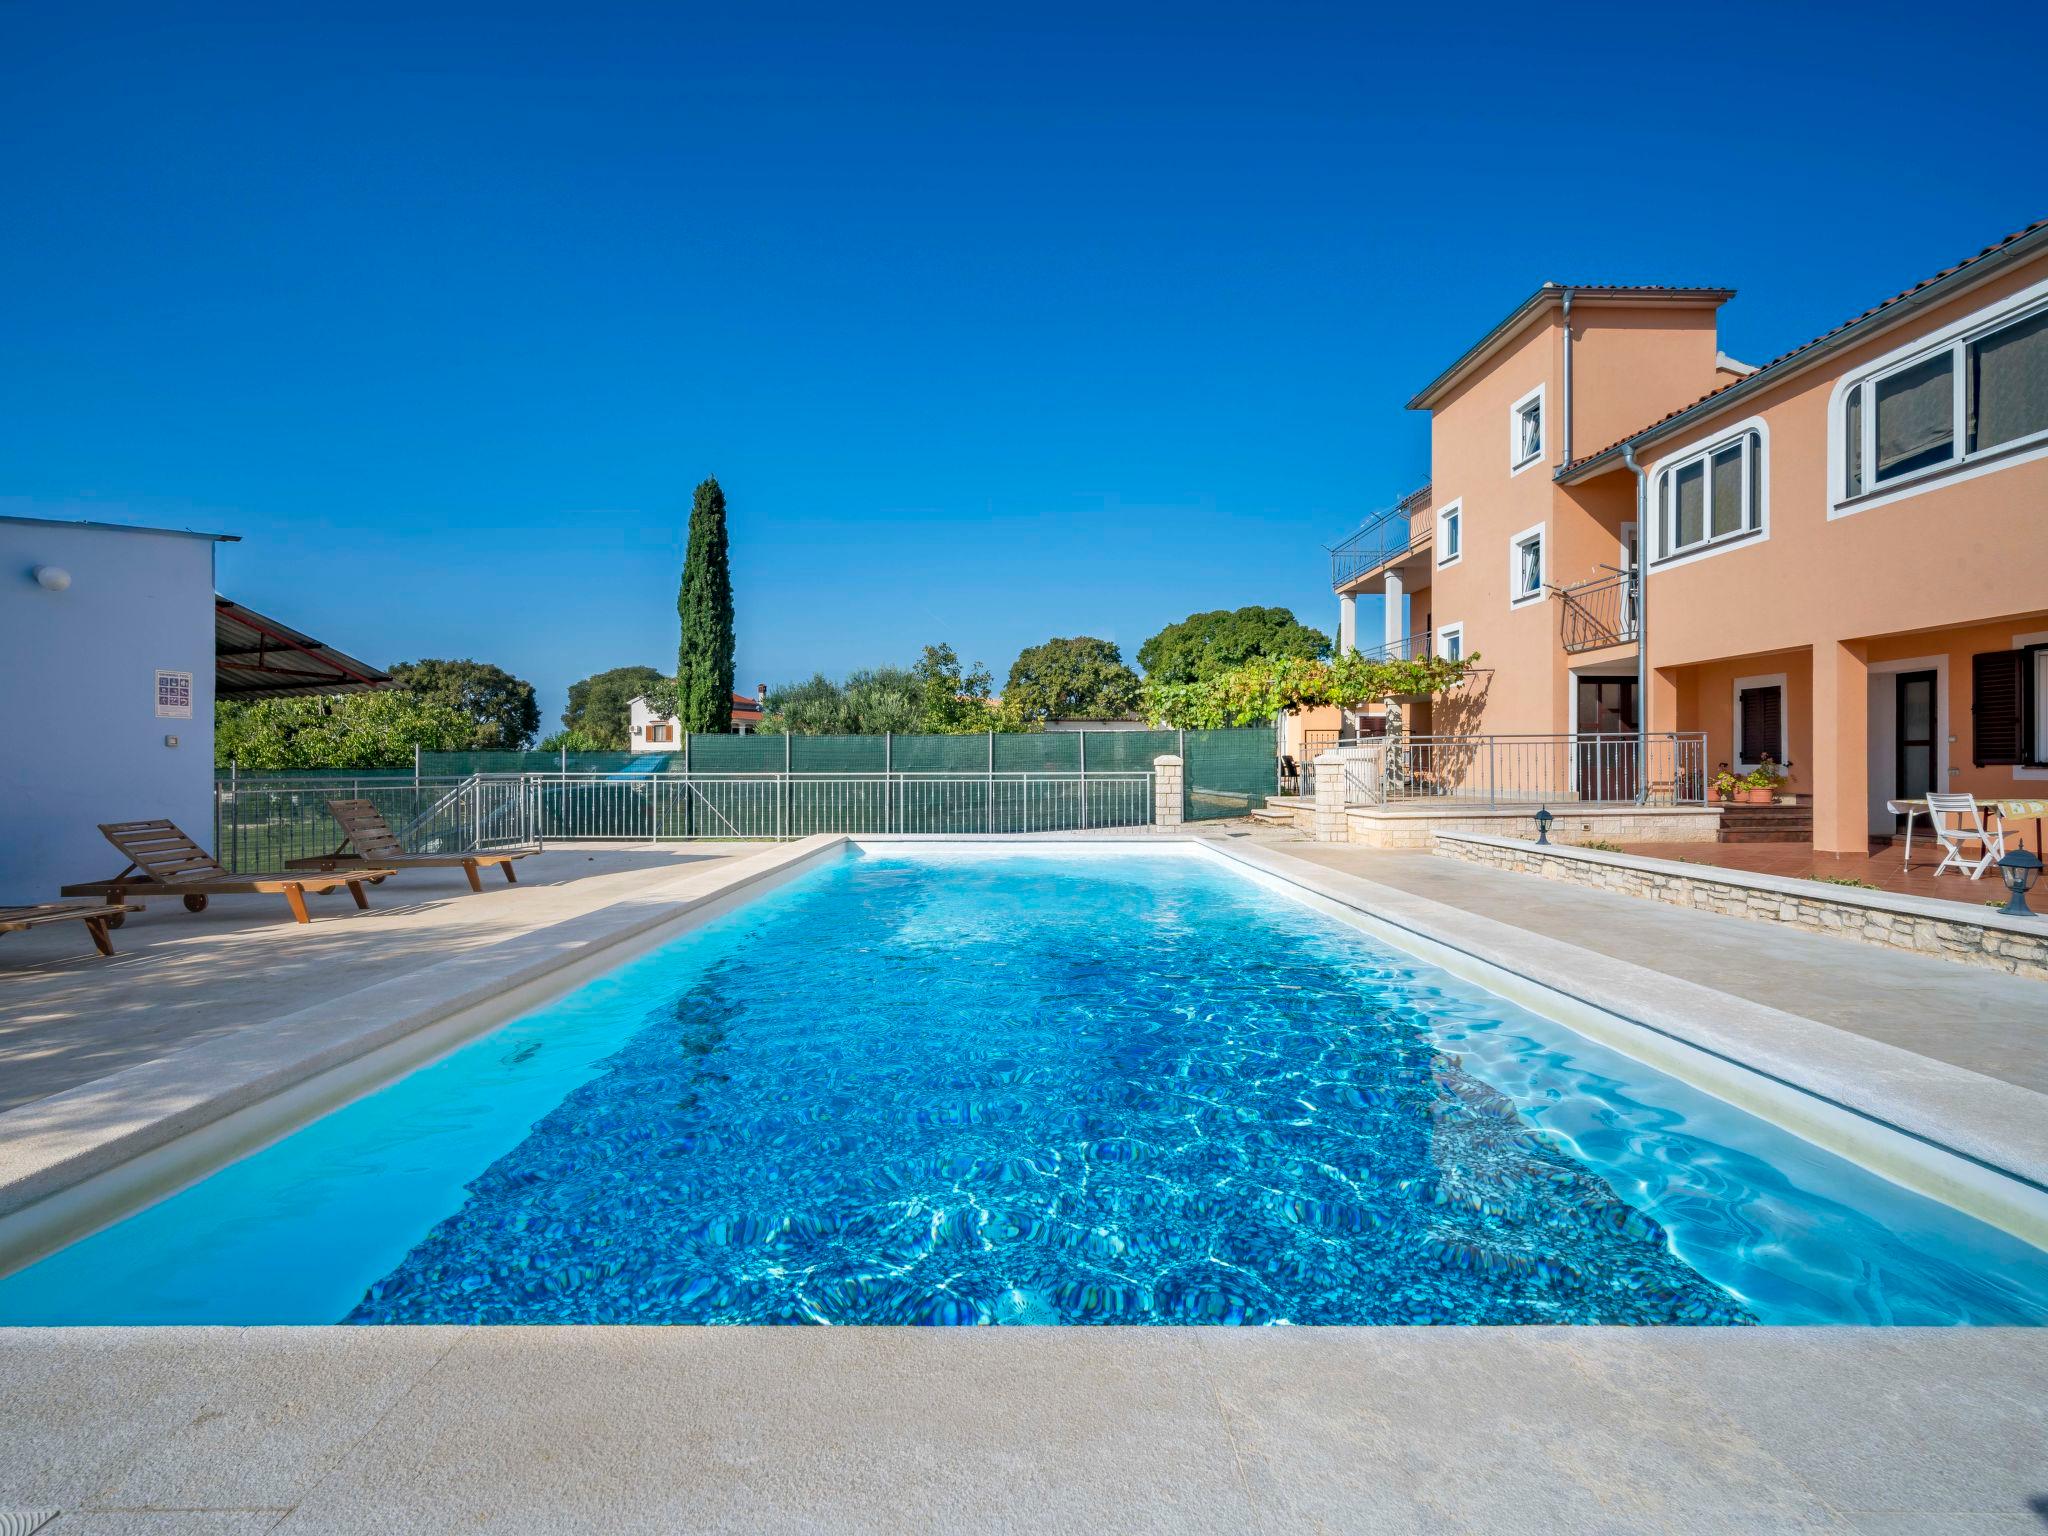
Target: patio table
{"x": 2005, "y": 810}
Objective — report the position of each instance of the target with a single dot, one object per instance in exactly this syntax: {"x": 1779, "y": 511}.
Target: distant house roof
{"x": 257, "y": 657}
{"x": 1552, "y": 295}
{"x": 742, "y": 704}
{"x": 1930, "y": 290}
{"x": 75, "y": 522}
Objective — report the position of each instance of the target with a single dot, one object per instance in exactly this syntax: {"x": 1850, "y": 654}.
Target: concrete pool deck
{"x": 180, "y": 1431}
{"x": 177, "y": 978}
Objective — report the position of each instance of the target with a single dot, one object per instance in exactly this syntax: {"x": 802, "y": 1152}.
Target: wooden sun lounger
{"x": 161, "y": 858}
{"x": 375, "y": 843}
{"x": 98, "y": 917}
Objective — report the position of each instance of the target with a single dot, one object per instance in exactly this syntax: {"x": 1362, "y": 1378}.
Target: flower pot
{"x": 1759, "y": 796}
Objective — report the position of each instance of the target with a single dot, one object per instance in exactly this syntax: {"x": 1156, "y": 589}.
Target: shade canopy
{"x": 257, "y": 657}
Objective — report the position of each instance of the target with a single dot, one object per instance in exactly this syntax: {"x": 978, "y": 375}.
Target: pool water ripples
{"x": 960, "y": 1088}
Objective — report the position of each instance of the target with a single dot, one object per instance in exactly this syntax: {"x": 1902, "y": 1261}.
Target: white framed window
{"x": 1450, "y": 642}
{"x": 1760, "y": 725}
{"x": 1965, "y": 400}
{"x": 1450, "y": 534}
{"x": 1712, "y": 493}
{"x": 1528, "y": 566}
{"x": 1525, "y": 431}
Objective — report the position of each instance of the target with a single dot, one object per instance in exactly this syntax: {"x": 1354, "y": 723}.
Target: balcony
{"x": 1409, "y": 648}
{"x": 1599, "y": 613}
{"x": 1383, "y": 538}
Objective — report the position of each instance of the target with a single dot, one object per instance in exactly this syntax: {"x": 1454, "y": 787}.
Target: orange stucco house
{"x": 1838, "y": 559}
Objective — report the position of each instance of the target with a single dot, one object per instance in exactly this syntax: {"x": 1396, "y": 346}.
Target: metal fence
{"x": 1597, "y": 613}
{"x": 259, "y": 823}
{"x": 1524, "y": 770}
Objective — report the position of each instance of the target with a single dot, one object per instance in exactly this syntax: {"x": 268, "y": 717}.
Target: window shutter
{"x": 1997, "y": 712}
{"x": 1760, "y": 725}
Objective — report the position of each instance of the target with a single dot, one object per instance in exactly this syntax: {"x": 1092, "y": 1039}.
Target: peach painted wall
{"x": 1958, "y": 551}
{"x": 1632, "y": 365}
{"x": 1628, "y": 365}
{"x": 1961, "y": 550}
{"x": 1707, "y": 703}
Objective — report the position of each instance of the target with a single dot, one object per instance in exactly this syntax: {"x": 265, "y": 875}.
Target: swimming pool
{"x": 977, "y": 1085}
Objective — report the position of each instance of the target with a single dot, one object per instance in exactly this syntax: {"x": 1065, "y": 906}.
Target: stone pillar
{"x": 1396, "y": 626}
{"x": 1840, "y": 752}
{"x": 1331, "y": 825}
{"x": 1347, "y": 623}
{"x": 1168, "y": 789}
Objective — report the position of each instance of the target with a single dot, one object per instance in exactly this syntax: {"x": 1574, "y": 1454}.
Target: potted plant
{"x": 1723, "y": 787}
{"x": 1761, "y": 784}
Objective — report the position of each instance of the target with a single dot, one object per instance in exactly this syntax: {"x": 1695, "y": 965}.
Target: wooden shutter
{"x": 1760, "y": 733}
{"x": 1998, "y": 728}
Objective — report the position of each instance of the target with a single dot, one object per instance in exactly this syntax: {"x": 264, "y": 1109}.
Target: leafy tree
{"x": 1204, "y": 644}
{"x": 935, "y": 696}
{"x": 1255, "y": 692}
{"x": 704, "y": 668}
{"x": 353, "y": 730}
{"x": 502, "y": 707}
{"x": 954, "y": 700}
{"x": 1078, "y": 678}
{"x": 574, "y": 741}
{"x": 599, "y": 705}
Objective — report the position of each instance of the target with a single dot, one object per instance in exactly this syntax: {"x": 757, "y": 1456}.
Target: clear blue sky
{"x": 995, "y": 322}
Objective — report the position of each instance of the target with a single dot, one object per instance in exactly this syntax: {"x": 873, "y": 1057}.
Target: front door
{"x": 1916, "y": 756}
{"x": 1606, "y": 768}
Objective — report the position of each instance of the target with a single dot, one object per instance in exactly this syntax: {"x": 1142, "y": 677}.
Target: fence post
{"x": 888, "y": 779}
{"x": 1084, "y": 779}
{"x": 415, "y": 768}
{"x": 1168, "y": 804}
{"x": 1492, "y": 775}
{"x": 787, "y": 806}
{"x": 1330, "y": 823}
{"x": 991, "y": 781}
{"x": 235, "y": 811}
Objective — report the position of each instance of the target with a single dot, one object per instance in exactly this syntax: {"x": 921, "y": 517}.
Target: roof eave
{"x": 1553, "y": 294}
{"x": 1968, "y": 275}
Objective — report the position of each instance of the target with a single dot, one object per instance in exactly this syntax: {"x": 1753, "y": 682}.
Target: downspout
{"x": 1642, "y": 579}
{"x": 1567, "y": 432}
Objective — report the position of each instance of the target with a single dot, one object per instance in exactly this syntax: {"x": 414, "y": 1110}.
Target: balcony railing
{"x": 1408, "y": 648}
{"x": 1383, "y": 537}
{"x": 1669, "y": 769}
{"x": 1598, "y": 613}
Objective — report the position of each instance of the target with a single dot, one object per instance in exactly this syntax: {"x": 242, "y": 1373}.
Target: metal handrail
{"x": 1379, "y": 539}
{"x": 1599, "y": 612}
{"x": 1415, "y": 647}
{"x": 1664, "y": 768}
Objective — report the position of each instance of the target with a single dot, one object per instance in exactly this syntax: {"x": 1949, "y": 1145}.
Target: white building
{"x": 651, "y": 732}
{"x": 113, "y": 648}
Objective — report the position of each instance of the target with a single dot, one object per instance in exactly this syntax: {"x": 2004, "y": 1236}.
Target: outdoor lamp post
{"x": 1543, "y": 821}
{"x": 2019, "y": 869}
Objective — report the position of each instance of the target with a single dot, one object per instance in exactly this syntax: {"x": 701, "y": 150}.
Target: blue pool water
{"x": 969, "y": 1086}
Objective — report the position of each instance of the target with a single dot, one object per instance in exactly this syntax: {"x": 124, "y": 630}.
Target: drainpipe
{"x": 1628, "y": 457}
{"x": 1566, "y": 434}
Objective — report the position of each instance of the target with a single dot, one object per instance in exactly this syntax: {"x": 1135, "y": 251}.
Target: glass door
{"x": 1606, "y": 749}
{"x": 1916, "y": 756}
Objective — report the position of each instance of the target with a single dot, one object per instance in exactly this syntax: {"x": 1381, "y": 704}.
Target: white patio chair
{"x": 1955, "y": 835}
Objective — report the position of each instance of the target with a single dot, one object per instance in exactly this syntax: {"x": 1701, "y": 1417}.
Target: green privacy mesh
{"x": 732, "y": 786}
{"x": 1228, "y": 773}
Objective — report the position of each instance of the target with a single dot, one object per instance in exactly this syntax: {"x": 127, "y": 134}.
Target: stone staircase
{"x": 1767, "y": 823}
{"x": 1297, "y": 811}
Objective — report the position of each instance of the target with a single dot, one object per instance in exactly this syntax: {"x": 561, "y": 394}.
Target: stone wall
{"x": 1408, "y": 826}
{"x": 1942, "y": 928}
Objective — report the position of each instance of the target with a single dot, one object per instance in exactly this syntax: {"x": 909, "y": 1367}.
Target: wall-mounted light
{"x": 52, "y": 578}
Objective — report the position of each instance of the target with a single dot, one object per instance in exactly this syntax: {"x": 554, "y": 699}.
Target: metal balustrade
{"x": 1598, "y": 613}
{"x": 259, "y": 823}
{"x": 1669, "y": 769}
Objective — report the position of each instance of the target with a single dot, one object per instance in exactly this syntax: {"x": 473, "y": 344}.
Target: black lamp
{"x": 2019, "y": 869}
{"x": 1544, "y": 819}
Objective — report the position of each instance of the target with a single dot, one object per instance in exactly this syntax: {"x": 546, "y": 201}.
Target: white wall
{"x": 80, "y": 741}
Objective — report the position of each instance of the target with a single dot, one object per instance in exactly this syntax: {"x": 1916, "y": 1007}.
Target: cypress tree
{"x": 704, "y": 659}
